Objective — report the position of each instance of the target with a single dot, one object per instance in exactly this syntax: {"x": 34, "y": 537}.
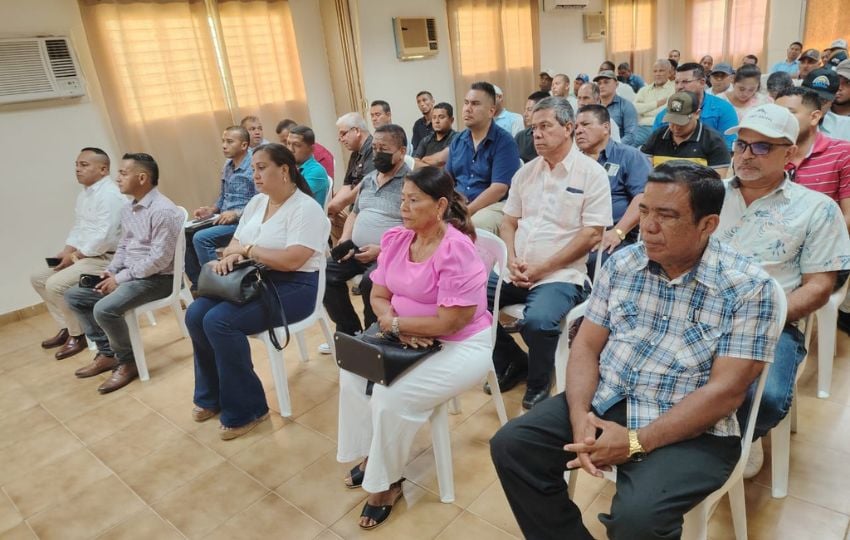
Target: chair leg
{"x": 780, "y": 457}
{"x": 326, "y": 330}
{"x": 151, "y": 318}
{"x": 454, "y": 406}
{"x": 181, "y": 319}
{"x": 281, "y": 385}
{"x": 443, "y": 452}
{"x": 739, "y": 509}
{"x": 562, "y": 353}
{"x": 137, "y": 344}
{"x": 302, "y": 347}
{"x": 695, "y": 526}
{"x": 827, "y": 323}
{"x": 496, "y": 395}
{"x": 572, "y": 480}
{"x": 793, "y": 412}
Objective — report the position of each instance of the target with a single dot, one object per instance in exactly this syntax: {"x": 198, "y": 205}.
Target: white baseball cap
{"x": 771, "y": 121}
{"x": 838, "y": 44}
{"x": 498, "y": 90}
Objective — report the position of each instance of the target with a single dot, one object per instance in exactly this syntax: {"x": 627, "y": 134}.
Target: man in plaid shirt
{"x": 677, "y": 329}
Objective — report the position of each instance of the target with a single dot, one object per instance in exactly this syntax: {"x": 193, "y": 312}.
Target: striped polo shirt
{"x": 826, "y": 169}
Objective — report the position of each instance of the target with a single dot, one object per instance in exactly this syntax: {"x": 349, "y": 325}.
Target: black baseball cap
{"x": 823, "y": 81}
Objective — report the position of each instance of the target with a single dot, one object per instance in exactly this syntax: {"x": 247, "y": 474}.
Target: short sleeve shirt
{"x": 525, "y": 142}
{"x": 627, "y": 170}
{"x": 826, "y": 169}
{"x": 705, "y": 146}
{"x": 378, "y": 208}
{"x": 431, "y": 145}
{"x": 496, "y": 159}
{"x": 421, "y": 129}
{"x": 359, "y": 164}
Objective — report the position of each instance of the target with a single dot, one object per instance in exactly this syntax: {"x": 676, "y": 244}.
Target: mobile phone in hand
{"x": 53, "y": 262}
{"x": 341, "y": 250}
{"x": 89, "y": 281}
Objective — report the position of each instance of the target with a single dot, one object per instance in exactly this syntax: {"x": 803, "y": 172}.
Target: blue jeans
{"x": 545, "y": 307}
{"x": 201, "y": 246}
{"x": 224, "y": 374}
{"x": 779, "y": 388}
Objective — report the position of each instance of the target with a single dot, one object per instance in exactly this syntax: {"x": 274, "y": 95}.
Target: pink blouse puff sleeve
{"x": 391, "y": 241}
{"x": 462, "y": 278}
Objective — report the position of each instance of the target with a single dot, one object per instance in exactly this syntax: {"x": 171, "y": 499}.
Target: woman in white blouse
{"x": 285, "y": 229}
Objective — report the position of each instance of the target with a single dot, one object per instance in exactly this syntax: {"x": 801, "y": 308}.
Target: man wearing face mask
{"x": 376, "y": 210}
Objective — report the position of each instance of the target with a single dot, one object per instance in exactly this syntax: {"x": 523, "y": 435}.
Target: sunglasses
{"x": 757, "y": 148}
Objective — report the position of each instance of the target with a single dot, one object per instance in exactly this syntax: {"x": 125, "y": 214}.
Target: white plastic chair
{"x": 329, "y": 194}
{"x": 131, "y": 317}
{"x": 827, "y": 317}
{"x": 296, "y": 330}
{"x": 494, "y": 253}
{"x": 695, "y": 526}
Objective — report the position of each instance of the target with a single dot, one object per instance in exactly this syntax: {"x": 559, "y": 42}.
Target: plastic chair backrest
{"x": 494, "y": 253}
{"x": 179, "y": 256}
{"x": 329, "y": 193}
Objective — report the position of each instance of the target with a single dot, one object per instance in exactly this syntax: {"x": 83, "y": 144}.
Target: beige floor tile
{"x": 21, "y": 531}
{"x": 106, "y": 419}
{"x": 166, "y": 469}
{"x": 7, "y": 383}
{"x": 143, "y": 525}
{"x": 129, "y": 445}
{"x": 419, "y": 514}
{"x": 817, "y": 420}
{"x": 179, "y": 413}
{"x": 492, "y": 506}
{"x": 15, "y": 401}
{"x": 263, "y": 520}
{"x": 35, "y": 451}
{"x": 319, "y": 491}
{"x": 23, "y": 424}
{"x": 588, "y": 488}
{"x": 480, "y": 426}
{"x": 160, "y": 392}
{"x": 323, "y": 418}
{"x": 95, "y": 509}
{"x": 468, "y": 526}
{"x": 275, "y": 458}
{"x": 10, "y": 517}
{"x": 327, "y": 534}
{"x": 210, "y": 499}
{"x": 306, "y": 391}
{"x": 208, "y": 435}
{"x": 52, "y": 483}
{"x": 840, "y": 387}
{"x": 81, "y": 398}
{"x": 601, "y": 504}
{"x": 473, "y": 471}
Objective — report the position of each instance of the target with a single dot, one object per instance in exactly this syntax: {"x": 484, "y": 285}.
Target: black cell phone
{"x": 341, "y": 250}
{"x": 243, "y": 262}
{"x": 53, "y": 262}
{"x": 89, "y": 281}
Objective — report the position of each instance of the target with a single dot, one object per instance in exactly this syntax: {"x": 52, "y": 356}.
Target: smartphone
{"x": 242, "y": 263}
{"x": 341, "y": 250}
{"x": 89, "y": 281}
{"x": 53, "y": 262}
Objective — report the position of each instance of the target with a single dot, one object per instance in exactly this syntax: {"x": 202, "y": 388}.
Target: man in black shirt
{"x": 422, "y": 127}
{"x": 433, "y": 149}
{"x": 354, "y": 135}
{"x": 525, "y": 138}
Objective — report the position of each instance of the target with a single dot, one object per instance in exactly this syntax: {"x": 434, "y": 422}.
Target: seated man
{"x": 422, "y": 127}
{"x": 627, "y": 170}
{"x": 622, "y": 112}
{"x": 588, "y": 94}
{"x": 141, "y": 272}
{"x": 720, "y": 78}
{"x": 433, "y": 149}
{"x": 652, "y": 98}
{"x": 320, "y": 153}
{"x": 841, "y": 103}
{"x": 355, "y": 137}
{"x": 88, "y": 248}
{"x": 254, "y": 127}
{"x": 382, "y": 115}
{"x": 686, "y": 137}
{"x": 560, "y": 88}
{"x": 797, "y": 235}
{"x": 827, "y": 83}
{"x": 556, "y": 211}
{"x": 237, "y": 188}
{"x": 625, "y": 75}
{"x": 301, "y": 142}
{"x": 378, "y": 208}
{"x": 509, "y": 121}
{"x": 483, "y": 158}
{"x": 677, "y": 329}
{"x": 525, "y": 138}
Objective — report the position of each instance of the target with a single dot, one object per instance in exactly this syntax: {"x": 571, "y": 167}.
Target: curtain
{"x": 495, "y": 41}
{"x": 631, "y": 34}
{"x": 728, "y": 30}
{"x": 826, "y": 21}
{"x": 339, "y": 20}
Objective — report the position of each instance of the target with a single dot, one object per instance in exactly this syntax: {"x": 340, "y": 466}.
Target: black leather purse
{"x": 377, "y": 356}
{"x": 248, "y": 281}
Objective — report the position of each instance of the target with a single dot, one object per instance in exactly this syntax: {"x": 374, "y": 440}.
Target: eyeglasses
{"x": 757, "y": 148}
{"x": 342, "y": 134}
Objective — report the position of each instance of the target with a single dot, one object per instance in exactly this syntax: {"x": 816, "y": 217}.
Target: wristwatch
{"x": 636, "y": 451}
{"x": 621, "y": 234}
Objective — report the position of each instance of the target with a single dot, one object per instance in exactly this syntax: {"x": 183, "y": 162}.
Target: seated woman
{"x": 283, "y": 228}
{"x": 744, "y": 94}
{"x": 429, "y": 284}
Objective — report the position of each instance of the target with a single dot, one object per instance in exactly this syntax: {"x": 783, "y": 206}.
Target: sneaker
{"x": 324, "y": 348}
{"x": 755, "y": 460}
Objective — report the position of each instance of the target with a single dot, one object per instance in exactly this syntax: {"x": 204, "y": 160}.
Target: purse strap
{"x": 267, "y": 291}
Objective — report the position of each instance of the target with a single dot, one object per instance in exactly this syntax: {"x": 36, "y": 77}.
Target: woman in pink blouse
{"x": 430, "y": 284}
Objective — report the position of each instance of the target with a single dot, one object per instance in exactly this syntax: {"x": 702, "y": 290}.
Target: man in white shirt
{"x": 652, "y": 98}
{"x": 509, "y": 121}
{"x": 557, "y": 207}
{"x": 88, "y": 248}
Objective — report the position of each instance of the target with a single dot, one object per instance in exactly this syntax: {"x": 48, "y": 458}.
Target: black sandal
{"x": 379, "y": 514}
{"x": 356, "y": 475}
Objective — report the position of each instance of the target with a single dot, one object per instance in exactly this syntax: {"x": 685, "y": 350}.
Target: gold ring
{"x": 414, "y": 340}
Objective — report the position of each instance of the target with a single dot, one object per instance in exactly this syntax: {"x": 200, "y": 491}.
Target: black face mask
{"x": 383, "y": 161}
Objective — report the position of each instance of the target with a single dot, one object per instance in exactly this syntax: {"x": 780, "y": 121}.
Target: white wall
{"x": 40, "y": 142}
{"x": 786, "y": 24}
{"x": 562, "y": 45}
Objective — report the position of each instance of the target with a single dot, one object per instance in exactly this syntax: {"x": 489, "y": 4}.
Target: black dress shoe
{"x": 534, "y": 395}
{"x": 512, "y": 376}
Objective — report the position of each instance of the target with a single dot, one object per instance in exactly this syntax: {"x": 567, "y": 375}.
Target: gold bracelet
{"x": 248, "y": 251}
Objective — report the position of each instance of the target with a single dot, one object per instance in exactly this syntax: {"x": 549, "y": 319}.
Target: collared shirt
{"x": 97, "y": 218}
{"x": 421, "y": 129}
{"x": 704, "y": 146}
{"x": 826, "y": 169}
{"x": 149, "y": 237}
{"x": 553, "y": 205}
{"x": 525, "y": 143}
{"x": 646, "y": 102}
{"x": 378, "y": 208}
{"x": 636, "y": 82}
{"x": 324, "y": 157}
{"x": 510, "y": 121}
{"x": 791, "y": 231}
{"x": 625, "y": 115}
{"x": 317, "y": 178}
{"x": 237, "y": 185}
{"x": 792, "y": 68}
{"x": 359, "y": 164}
{"x": 837, "y": 127}
{"x": 625, "y": 91}
{"x": 430, "y": 145}
{"x": 495, "y": 160}
{"x": 665, "y": 334}
{"x": 716, "y": 113}
{"x": 627, "y": 170}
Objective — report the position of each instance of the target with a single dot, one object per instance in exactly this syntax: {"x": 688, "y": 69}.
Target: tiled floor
{"x": 132, "y": 464}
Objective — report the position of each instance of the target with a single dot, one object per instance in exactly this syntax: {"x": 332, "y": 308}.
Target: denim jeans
{"x": 102, "y": 316}
{"x": 201, "y": 246}
{"x": 224, "y": 373}
{"x": 545, "y": 307}
{"x": 779, "y": 388}
{"x": 337, "y": 299}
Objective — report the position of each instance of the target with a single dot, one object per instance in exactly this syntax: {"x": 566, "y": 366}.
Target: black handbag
{"x": 248, "y": 281}
{"x": 377, "y": 356}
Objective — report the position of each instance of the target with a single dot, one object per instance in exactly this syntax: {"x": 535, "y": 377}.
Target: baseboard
{"x": 23, "y": 313}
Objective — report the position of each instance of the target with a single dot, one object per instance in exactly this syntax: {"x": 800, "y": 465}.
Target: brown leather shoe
{"x": 74, "y": 345}
{"x": 229, "y": 433}
{"x": 56, "y": 341}
{"x": 199, "y": 414}
{"x": 99, "y": 364}
{"x": 121, "y": 377}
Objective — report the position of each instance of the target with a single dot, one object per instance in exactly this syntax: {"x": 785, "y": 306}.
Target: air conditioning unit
{"x": 559, "y": 5}
{"x": 415, "y": 37}
{"x": 33, "y": 69}
{"x": 594, "y": 26}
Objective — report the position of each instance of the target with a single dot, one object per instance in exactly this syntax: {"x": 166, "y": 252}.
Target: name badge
{"x": 611, "y": 168}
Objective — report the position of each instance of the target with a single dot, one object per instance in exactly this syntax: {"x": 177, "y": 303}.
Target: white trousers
{"x": 51, "y": 286}
{"x": 383, "y": 427}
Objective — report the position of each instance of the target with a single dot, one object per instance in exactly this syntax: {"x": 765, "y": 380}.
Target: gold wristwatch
{"x": 621, "y": 234}
{"x": 636, "y": 451}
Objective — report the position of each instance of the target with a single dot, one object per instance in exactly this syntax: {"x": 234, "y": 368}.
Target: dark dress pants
{"x": 338, "y": 300}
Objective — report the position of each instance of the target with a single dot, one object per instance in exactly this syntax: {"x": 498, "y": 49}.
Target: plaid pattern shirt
{"x": 665, "y": 334}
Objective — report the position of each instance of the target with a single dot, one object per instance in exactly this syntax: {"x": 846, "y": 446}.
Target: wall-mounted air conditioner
{"x": 38, "y": 68}
{"x": 415, "y": 37}
{"x": 559, "y": 5}
{"x": 594, "y": 26}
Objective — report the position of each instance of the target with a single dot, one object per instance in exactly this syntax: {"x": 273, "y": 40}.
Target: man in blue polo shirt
{"x": 483, "y": 158}
{"x": 300, "y": 142}
{"x": 716, "y": 113}
{"x": 791, "y": 64}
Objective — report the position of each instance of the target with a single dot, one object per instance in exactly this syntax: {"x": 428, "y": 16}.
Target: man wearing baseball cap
{"x": 825, "y": 82}
{"x": 721, "y": 79}
{"x": 622, "y": 112}
{"x": 803, "y": 250}
{"x": 580, "y": 79}
{"x": 841, "y": 103}
{"x": 545, "y": 82}
{"x": 809, "y": 61}
{"x": 837, "y": 53}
